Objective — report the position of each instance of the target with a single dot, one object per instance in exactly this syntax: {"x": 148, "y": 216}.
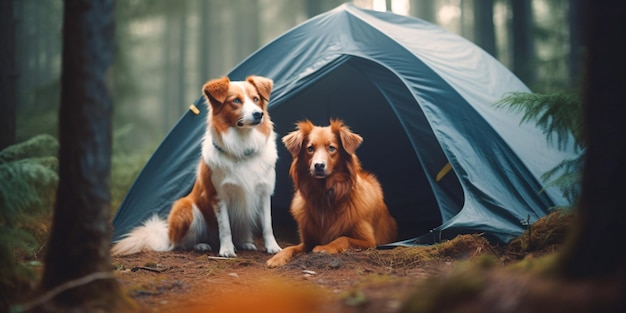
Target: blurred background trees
{"x": 166, "y": 49}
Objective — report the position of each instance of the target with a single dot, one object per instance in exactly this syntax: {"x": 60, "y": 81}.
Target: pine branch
{"x": 558, "y": 114}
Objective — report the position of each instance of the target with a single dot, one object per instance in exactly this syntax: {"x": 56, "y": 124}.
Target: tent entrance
{"x": 347, "y": 92}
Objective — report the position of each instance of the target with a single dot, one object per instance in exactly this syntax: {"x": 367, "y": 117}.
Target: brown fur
{"x": 342, "y": 210}
{"x": 203, "y": 194}
{"x": 222, "y": 94}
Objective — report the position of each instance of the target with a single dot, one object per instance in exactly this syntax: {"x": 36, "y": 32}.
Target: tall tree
{"x": 523, "y": 45}
{"x": 593, "y": 250}
{"x": 247, "y": 29}
{"x": 484, "y": 30}
{"x": 78, "y": 261}
{"x": 205, "y": 39}
{"x": 424, "y": 9}
{"x": 8, "y": 74}
{"x": 178, "y": 104}
{"x": 315, "y": 7}
{"x": 169, "y": 81}
{"x": 575, "y": 43}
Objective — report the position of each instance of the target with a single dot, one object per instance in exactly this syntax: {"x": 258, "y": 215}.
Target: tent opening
{"x": 348, "y": 92}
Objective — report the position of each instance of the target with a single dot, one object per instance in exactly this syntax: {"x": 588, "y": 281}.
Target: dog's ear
{"x": 216, "y": 90}
{"x": 293, "y": 141}
{"x": 262, "y": 84}
{"x": 349, "y": 140}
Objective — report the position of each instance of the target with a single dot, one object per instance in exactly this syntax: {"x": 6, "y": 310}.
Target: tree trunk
{"x": 484, "y": 30}
{"x": 313, "y": 7}
{"x": 178, "y": 105}
{"x": 169, "y": 83}
{"x": 595, "y": 248}
{"x": 575, "y": 43}
{"x": 79, "y": 242}
{"x": 424, "y": 9}
{"x": 205, "y": 41}
{"x": 8, "y": 75}
{"x": 523, "y": 47}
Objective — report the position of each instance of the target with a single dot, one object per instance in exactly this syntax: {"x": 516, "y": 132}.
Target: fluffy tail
{"x": 151, "y": 236}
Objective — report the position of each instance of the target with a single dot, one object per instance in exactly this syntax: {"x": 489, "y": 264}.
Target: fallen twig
{"x": 220, "y": 258}
{"x": 151, "y": 269}
{"x": 61, "y": 288}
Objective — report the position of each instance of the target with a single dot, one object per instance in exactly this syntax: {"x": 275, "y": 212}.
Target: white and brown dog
{"x": 235, "y": 179}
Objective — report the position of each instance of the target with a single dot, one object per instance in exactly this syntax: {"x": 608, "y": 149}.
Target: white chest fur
{"x": 241, "y": 158}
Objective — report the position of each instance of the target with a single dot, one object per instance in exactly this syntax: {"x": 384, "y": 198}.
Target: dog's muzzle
{"x": 257, "y": 118}
{"x": 319, "y": 170}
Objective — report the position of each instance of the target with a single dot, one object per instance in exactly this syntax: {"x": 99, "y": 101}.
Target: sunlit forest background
{"x": 165, "y": 50}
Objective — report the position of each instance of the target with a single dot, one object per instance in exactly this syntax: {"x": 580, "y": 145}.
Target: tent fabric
{"x": 421, "y": 98}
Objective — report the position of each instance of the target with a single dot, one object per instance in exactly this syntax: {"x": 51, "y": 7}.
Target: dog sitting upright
{"x": 235, "y": 179}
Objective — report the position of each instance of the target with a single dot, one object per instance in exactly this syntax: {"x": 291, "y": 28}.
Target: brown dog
{"x": 337, "y": 205}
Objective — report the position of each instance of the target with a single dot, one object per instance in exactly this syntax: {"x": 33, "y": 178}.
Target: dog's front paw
{"x": 277, "y": 260}
{"x": 227, "y": 251}
{"x": 273, "y": 248}
{"x": 248, "y": 246}
{"x": 326, "y": 249}
{"x": 202, "y": 247}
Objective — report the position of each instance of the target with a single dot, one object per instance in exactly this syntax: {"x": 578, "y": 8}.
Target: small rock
{"x": 334, "y": 263}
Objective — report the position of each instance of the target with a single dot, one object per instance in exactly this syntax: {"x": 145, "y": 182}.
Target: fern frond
{"x": 26, "y": 186}
{"x": 28, "y": 182}
{"x": 569, "y": 178}
{"x": 559, "y": 114}
{"x": 38, "y": 146}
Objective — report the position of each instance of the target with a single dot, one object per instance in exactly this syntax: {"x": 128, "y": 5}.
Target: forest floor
{"x": 355, "y": 281}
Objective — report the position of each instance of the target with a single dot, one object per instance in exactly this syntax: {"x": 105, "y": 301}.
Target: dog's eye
{"x": 332, "y": 148}
{"x": 309, "y": 149}
{"x": 236, "y": 101}
{"x": 255, "y": 99}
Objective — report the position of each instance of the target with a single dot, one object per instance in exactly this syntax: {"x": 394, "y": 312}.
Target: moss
{"x": 441, "y": 293}
{"x": 549, "y": 230}
{"x": 544, "y": 265}
{"x": 461, "y": 247}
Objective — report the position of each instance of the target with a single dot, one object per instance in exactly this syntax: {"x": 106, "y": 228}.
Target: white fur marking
{"x": 197, "y": 232}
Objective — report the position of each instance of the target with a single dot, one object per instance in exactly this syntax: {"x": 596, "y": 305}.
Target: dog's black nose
{"x": 257, "y": 116}
{"x": 319, "y": 166}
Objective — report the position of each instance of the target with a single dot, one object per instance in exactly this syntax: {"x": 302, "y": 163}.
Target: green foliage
{"x": 569, "y": 180}
{"x": 28, "y": 181}
{"x": 557, "y": 114}
{"x": 38, "y": 146}
{"x": 561, "y": 115}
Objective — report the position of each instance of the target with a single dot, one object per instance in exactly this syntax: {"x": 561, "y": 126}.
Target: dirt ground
{"x": 356, "y": 281}
{"x": 371, "y": 280}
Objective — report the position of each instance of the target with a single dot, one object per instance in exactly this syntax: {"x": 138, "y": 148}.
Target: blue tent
{"x": 421, "y": 97}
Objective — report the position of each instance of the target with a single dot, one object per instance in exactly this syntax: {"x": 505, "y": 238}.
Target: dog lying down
{"x": 337, "y": 205}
